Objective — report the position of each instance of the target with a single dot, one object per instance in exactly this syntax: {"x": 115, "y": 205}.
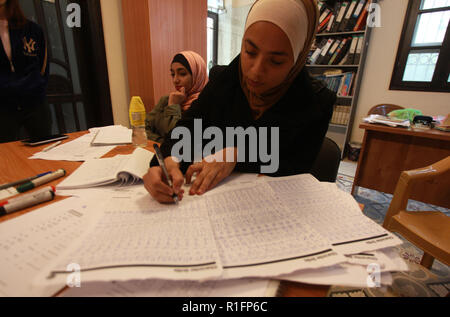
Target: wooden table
{"x": 14, "y": 165}
{"x": 387, "y": 151}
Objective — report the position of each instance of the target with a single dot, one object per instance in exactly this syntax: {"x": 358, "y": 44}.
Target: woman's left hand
{"x": 211, "y": 171}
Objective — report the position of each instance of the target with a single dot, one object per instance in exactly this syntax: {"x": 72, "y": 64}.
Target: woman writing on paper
{"x": 189, "y": 77}
{"x": 23, "y": 75}
{"x": 266, "y": 86}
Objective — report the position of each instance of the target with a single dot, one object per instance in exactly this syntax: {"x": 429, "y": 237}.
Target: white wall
{"x": 378, "y": 71}
{"x": 116, "y": 59}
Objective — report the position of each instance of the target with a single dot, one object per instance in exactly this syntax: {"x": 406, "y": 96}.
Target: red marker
{"x": 28, "y": 200}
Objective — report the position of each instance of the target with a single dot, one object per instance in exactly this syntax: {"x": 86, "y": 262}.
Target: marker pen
{"x": 12, "y": 200}
{"x": 41, "y": 180}
{"x": 26, "y": 202}
{"x": 5, "y": 186}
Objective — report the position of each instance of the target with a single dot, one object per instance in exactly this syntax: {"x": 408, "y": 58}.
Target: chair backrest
{"x": 59, "y": 93}
{"x": 215, "y": 71}
{"x": 326, "y": 166}
{"x": 428, "y": 230}
{"x": 384, "y": 109}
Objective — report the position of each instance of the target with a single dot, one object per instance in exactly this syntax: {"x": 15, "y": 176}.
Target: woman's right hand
{"x": 177, "y": 97}
{"x": 155, "y": 182}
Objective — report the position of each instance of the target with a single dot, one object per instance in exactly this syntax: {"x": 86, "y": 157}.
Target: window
{"x": 212, "y": 32}
{"x": 424, "y": 52}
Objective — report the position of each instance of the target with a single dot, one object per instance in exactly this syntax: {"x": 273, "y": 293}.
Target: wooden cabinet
{"x": 156, "y": 30}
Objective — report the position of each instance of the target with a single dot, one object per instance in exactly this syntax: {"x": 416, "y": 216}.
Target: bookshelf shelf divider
{"x": 337, "y": 44}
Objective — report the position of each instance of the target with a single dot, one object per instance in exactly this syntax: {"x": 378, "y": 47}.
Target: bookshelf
{"x": 326, "y": 68}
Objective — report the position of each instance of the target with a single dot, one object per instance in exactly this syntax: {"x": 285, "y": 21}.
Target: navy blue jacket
{"x": 26, "y": 86}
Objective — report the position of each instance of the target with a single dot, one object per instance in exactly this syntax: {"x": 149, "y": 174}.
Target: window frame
{"x": 215, "y": 17}
{"x": 439, "y": 82}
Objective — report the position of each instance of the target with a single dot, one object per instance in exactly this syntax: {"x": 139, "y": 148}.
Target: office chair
{"x": 326, "y": 166}
{"x": 428, "y": 230}
{"x": 384, "y": 109}
{"x": 215, "y": 71}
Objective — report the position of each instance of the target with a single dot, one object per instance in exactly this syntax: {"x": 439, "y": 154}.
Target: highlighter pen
{"x": 41, "y": 180}
{"x": 21, "y": 197}
{"x": 160, "y": 158}
{"x": 26, "y": 202}
{"x": 4, "y": 186}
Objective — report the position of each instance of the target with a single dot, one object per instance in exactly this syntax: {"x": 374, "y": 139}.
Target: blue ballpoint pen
{"x": 4, "y": 186}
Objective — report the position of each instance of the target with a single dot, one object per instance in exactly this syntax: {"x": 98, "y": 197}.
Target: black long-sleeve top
{"x": 302, "y": 116}
{"x": 26, "y": 85}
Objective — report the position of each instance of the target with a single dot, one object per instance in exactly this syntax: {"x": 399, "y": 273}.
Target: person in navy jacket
{"x": 23, "y": 75}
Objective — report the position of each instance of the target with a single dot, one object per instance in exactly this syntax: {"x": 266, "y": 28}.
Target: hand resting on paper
{"x": 210, "y": 172}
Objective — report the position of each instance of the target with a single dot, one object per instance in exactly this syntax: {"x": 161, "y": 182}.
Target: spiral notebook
{"x": 121, "y": 169}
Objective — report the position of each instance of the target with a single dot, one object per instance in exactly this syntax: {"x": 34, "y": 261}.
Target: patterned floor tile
{"x": 418, "y": 281}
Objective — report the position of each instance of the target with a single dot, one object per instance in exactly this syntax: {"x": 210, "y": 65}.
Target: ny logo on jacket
{"x": 29, "y": 47}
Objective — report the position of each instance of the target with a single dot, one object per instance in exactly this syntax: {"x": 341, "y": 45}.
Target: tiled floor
{"x": 348, "y": 168}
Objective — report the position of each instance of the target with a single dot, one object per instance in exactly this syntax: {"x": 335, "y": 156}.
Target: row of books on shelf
{"x": 341, "y": 115}
{"x": 341, "y": 84}
{"x": 346, "y": 16}
{"x": 337, "y": 51}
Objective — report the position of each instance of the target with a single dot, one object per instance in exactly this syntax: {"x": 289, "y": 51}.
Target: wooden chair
{"x": 428, "y": 230}
{"x": 384, "y": 109}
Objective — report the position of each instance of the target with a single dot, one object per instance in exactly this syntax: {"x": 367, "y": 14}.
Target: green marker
{"x": 41, "y": 181}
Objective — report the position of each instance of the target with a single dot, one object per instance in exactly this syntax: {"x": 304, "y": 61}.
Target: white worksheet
{"x": 388, "y": 259}
{"x": 164, "y": 288}
{"x": 260, "y": 228}
{"x": 111, "y": 135}
{"x": 343, "y": 274}
{"x": 32, "y": 241}
{"x": 140, "y": 238}
{"x": 257, "y": 236}
{"x": 77, "y": 150}
{"x": 355, "y": 272}
{"x": 333, "y": 213}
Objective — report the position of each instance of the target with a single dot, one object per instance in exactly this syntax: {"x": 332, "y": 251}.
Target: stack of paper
{"x": 90, "y": 146}
{"x": 186, "y": 289}
{"x": 111, "y": 135}
{"x": 292, "y": 228}
{"x": 375, "y": 118}
{"x": 77, "y": 150}
{"x": 30, "y": 242}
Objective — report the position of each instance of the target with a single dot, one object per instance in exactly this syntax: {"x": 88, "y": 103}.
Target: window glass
{"x": 431, "y": 28}
{"x": 210, "y": 41}
{"x": 420, "y": 66}
{"x": 432, "y": 4}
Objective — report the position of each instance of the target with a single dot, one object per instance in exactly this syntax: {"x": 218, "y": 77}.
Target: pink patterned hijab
{"x": 199, "y": 77}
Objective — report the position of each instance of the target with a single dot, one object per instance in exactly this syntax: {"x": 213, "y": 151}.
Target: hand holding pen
{"x": 164, "y": 182}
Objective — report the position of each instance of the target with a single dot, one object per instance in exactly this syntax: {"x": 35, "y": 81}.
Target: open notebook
{"x": 123, "y": 169}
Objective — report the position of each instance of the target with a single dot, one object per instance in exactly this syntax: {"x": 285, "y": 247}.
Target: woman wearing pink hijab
{"x": 189, "y": 77}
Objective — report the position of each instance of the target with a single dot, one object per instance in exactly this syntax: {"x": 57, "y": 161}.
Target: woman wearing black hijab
{"x": 266, "y": 86}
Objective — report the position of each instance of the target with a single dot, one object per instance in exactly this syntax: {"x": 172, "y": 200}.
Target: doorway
{"x": 78, "y": 89}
